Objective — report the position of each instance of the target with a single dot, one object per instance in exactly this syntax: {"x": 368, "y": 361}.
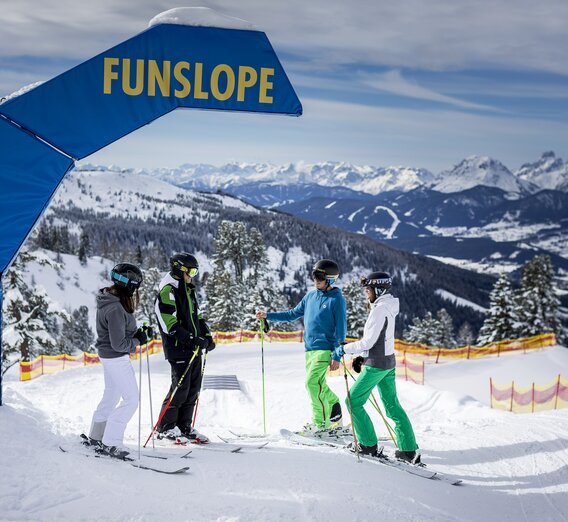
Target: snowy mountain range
{"x": 478, "y": 214}
{"x": 548, "y": 172}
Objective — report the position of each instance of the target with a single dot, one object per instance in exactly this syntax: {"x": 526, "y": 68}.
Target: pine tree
{"x": 265, "y": 297}
{"x": 465, "y": 335}
{"x": 84, "y": 248}
{"x": 77, "y": 335}
{"x": 424, "y": 331}
{"x": 502, "y": 317}
{"x": 223, "y": 309}
{"x": 148, "y": 291}
{"x": 447, "y": 336}
{"x": 536, "y": 299}
{"x": 231, "y": 247}
{"x": 256, "y": 255}
{"x": 357, "y": 308}
{"x": 30, "y": 316}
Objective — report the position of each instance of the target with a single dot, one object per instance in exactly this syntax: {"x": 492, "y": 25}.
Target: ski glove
{"x": 357, "y": 363}
{"x": 210, "y": 344}
{"x": 140, "y": 335}
{"x": 201, "y": 343}
{"x": 264, "y": 325}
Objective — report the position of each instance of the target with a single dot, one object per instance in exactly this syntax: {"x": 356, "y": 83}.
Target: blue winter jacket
{"x": 325, "y": 320}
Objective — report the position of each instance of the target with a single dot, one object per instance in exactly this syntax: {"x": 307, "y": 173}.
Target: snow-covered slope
{"x": 515, "y": 467}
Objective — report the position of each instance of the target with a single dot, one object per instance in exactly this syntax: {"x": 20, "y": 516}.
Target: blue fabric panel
{"x": 30, "y": 171}
{"x": 101, "y": 100}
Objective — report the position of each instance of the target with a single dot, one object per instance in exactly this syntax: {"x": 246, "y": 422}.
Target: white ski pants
{"x": 120, "y": 382}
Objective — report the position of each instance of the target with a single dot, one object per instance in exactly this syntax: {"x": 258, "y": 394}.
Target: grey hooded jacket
{"x": 115, "y": 327}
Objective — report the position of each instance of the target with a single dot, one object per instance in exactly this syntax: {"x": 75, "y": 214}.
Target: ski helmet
{"x": 325, "y": 270}
{"x": 128, "y": 276}
{"x": 381, "y": 282}
{"x": 184, "y": 263}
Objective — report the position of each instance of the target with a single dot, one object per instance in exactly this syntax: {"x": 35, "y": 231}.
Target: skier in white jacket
{"x": 376, "y": 350}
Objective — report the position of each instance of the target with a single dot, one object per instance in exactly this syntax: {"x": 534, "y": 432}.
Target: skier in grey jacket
{"x": 117, "y": 337}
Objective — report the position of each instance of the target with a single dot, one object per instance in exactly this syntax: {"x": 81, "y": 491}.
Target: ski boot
{"x": 372, "y": 451}
{"x": 194, "y": 436}
{"x": 412, "y": 457}
{"x": 112, "y": 451}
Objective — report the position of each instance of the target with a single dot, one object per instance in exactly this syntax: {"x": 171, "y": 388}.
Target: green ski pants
{"x": 384, "y": 380}
{"x": 321, "y": 396}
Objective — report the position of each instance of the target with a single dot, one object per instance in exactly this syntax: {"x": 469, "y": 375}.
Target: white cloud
{"x": 393, "y": 82}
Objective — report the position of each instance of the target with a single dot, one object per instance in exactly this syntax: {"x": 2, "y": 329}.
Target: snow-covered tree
{"x": 501, "y": 321}
{"x": 465, "y": 335}
{"x": 76, "y": 333}
{"x": 357, "y": 308}
{"x": 447, "y": 336}
{"x": 537, "y": 301}
{"x": 224, "y": 306}
{"x": 231, "y": 245}
{"x": 148, "y": 292}
{"x": 84, "y": 248}
{"x": 256, "y": 255}
{"x": 265, "y": 296}
{"x": 30, "y": 316}
{"x": 424, "y": 331}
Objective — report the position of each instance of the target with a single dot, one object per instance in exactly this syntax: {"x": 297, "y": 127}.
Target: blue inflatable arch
{"x": 168, "y": 66}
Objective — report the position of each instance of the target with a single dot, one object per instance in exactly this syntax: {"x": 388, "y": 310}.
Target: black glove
{"x": 264, "y": 325}
{"x": 201, "y": 343}
{"x": 357, "y": 363}
{"x": 210, "y": 344}
{"x": 149, "y": 332}
{"x": 140, "y": 335}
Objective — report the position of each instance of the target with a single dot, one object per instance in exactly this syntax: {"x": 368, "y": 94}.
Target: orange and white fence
{"x": 537, "y": 397}
{"x": 408, "y": 368}
{"x": 473, "y": 352}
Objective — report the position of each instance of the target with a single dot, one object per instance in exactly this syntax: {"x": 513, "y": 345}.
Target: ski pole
{"x": 350, "y": 409}
{"x": 200, "y": 385}
{"x": 376, "y": 406}
{"x": 140, "y": 398}
{"x": 150, "y": 337}
{"x": 167, "y": 405}
{"x": 261, "y": 327}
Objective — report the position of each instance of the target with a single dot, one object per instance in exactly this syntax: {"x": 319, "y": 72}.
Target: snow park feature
{"x": 513, "y": 467}
{"x": 185, "y": 55}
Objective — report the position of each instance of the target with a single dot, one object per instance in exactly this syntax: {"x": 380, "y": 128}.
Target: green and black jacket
{"x": 179, "y": 318}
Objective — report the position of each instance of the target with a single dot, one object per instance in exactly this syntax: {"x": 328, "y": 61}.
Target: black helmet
{"x": 325, "y": 269}
{"x": 128, "y": 276}
{"x": 184, "y": 263}
{"x": 378, "y": 280}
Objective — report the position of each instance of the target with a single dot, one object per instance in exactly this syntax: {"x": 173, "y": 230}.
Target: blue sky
{"x": 411, "y": 83}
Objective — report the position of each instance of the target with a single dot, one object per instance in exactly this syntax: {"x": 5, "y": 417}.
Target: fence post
{"x": 438, "y": 356}
{"x": 557, "y": 392}
{"x": 532, "y": 400}
{"x": 42, "y": 364}
{"x": 405, "y": 369}
{"x": 512, "y": 393}
{"x": 498, "y": 349}
{"x": 490, "y": 392}
{"x": 468, "y": 349}
{"x": 422, "y": 373}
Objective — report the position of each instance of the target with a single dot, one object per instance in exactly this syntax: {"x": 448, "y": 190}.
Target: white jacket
{"x": 383, "y": 313}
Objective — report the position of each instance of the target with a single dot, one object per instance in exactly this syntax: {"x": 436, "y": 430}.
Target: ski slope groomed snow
{"x": 514, "y": 467}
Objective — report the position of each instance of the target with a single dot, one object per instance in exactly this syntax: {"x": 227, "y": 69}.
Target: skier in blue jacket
{"x": 325, "y": 327}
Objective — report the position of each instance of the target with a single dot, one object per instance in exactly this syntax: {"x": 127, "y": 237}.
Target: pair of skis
{"x": 340, "y": 442}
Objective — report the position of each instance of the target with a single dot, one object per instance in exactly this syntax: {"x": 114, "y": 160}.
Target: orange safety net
{"x": 407, "y": 369}
{"x": 473, "y": 352}
{"x": 537, "y": 397}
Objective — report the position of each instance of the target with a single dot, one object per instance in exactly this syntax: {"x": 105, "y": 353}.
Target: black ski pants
{"x": 180, "y": 410}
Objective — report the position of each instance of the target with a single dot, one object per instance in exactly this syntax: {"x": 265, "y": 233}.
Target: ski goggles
{"x": 320, "y": 275}
{"x": 375, "y": 282}
{"x": 191, "y": 272}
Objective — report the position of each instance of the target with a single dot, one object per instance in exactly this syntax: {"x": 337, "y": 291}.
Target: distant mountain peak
{"x": 548, "y": 172}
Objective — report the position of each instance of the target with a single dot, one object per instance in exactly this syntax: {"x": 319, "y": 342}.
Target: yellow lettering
{"x": 247, "y": 78}
{"x": 178, "y": 74}
{"x": 230, "y": 89}
{"x": 154, "y": 76}
{"x": 198, "y": 94}
{"x": 139, "y": 85}
{"x": 109, "y": 74}
{"x": 265, "y": 85}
